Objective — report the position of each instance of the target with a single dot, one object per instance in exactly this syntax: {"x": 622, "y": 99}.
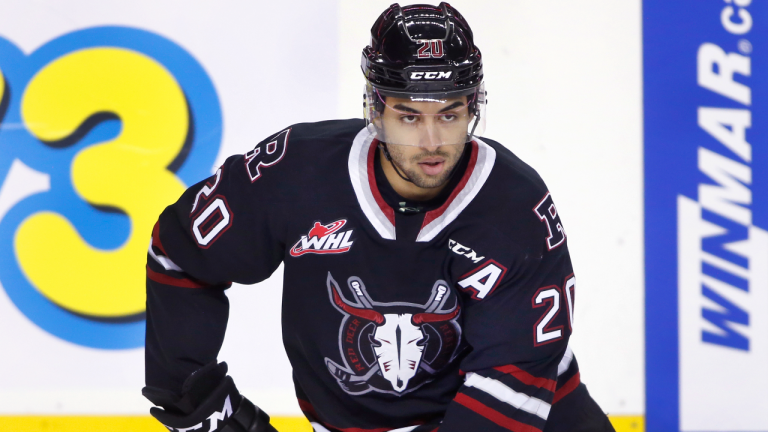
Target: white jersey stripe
{"x": 358, "y": 173}
{"x": 486, "y": 158}
{"x": 565, "y": 363}
{"x": 318, "y": 427}
{"x": 505, "y": 394}
{"x": 163, "y": 260}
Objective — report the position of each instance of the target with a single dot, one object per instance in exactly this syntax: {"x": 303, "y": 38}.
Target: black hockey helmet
{"x": 422, "y": 49}
{"x": 423, "y": 53}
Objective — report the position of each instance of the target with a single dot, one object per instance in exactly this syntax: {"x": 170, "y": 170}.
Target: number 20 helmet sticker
{"x": 100, "y": 129}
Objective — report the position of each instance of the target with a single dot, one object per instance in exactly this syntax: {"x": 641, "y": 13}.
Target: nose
{"x": 430, "y": 139}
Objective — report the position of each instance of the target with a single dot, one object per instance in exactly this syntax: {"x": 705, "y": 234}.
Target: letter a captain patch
{"x": 483, "y": 280}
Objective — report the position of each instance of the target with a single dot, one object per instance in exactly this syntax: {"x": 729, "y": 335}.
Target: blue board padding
{"x": 672, "y": 35}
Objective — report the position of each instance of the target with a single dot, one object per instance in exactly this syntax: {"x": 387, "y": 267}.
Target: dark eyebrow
{"x": 452, "y": 106}
{"x": 401, "y": 107}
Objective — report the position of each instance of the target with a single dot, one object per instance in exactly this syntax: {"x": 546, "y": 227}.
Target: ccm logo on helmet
{"x": 431, "y": 75}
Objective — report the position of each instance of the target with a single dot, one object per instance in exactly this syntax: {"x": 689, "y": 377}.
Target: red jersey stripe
{"x": 388, "y": 211}
{"x": 526, "y": 378}
{"x": 309, "y": 409}
{"x": 568, "y": 387}
{"x": 493, "y": 415}
{"x": 167, "y": 280}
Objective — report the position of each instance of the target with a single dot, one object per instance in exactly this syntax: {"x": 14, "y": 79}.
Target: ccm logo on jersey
{"x": 324, "y": 239}
{"x": 460, "y": 249}
{"x": 431, "y": 75}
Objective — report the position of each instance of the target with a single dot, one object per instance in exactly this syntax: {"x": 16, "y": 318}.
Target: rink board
{"x": 706, "y": 215}
{"x": 148, "y": 424}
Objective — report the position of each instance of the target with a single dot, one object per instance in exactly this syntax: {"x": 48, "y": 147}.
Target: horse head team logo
{"x": 393, "y": 347}
{"x": 100, "y": 129}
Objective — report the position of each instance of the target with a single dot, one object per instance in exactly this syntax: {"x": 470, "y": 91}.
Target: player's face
{"x": 425, "y": 123}
{"x": 426, "y": 139}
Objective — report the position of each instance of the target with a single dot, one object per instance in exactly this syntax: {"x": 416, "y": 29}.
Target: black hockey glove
{"x": 210, "y": 397}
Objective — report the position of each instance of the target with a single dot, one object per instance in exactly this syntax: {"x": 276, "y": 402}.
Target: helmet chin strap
{"x": 474, "y": 126}
{"x": 383, "y": 147}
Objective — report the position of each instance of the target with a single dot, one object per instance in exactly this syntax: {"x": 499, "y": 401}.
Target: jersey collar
{"x": 382, "y": 216}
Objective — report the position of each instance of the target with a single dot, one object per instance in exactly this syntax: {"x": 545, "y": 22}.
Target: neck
{"x": 405, "y": 188}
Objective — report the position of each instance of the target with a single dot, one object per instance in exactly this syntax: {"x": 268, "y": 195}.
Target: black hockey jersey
{"x": 456, "y": 317}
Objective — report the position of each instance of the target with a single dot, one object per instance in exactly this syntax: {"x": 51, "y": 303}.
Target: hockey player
{"x": 427, "y": 279}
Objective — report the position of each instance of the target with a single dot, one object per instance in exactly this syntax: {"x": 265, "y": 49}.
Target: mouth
{"x": 432, "y": 166}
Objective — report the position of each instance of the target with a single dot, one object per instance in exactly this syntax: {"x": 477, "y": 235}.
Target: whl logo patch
{"x": 324, "y": 239}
